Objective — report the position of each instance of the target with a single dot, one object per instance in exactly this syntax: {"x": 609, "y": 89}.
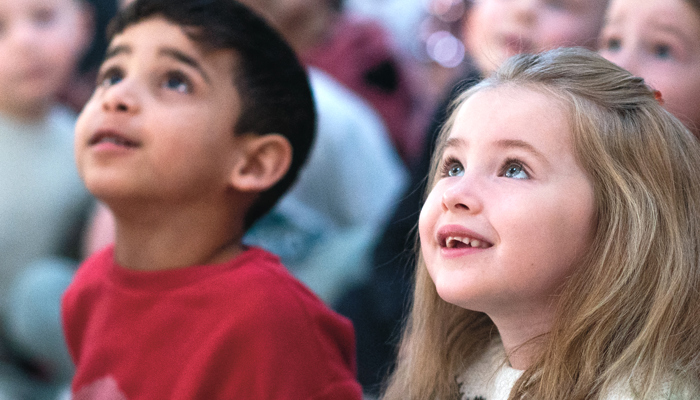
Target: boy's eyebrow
{"x": 117, "y": 50}
{"x": 180, "y": 56}
{"x": 169, "y": 52}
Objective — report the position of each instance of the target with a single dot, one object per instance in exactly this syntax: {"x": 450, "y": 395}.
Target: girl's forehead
{"x": 511, "y": 113}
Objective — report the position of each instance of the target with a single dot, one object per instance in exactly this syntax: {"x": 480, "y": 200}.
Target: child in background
{"x": 495, "y": 30}
{"x": 559, "y": 242}
{"x": 201, "y": 120}
{"x": 659, "y": 40}
{"x": 42, "y": 200}
{"x": 360, "y": 54}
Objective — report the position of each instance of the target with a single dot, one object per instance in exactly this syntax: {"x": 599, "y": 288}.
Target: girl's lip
{"x": 458, "y": 232}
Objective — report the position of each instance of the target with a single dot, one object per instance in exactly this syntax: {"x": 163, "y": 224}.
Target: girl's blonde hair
{"x": 631, "y": 312}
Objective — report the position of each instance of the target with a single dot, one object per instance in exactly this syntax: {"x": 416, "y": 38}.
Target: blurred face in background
{"x": 498, "y": 29}
{"x": 658, "y": 40}
{"x": 303, "y": 23}
{"x": 40, "y": 43}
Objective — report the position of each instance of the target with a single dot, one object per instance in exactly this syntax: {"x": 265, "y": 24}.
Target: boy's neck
{"x": 159, "y": 238}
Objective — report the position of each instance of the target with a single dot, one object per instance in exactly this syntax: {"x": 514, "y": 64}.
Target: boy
{"x": 42, "y": 199}
{"x": 201, "y": 120}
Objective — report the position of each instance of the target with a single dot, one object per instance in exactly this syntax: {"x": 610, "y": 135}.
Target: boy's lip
{"x": 457, "y": 236}
{"x": 113, "y": 137}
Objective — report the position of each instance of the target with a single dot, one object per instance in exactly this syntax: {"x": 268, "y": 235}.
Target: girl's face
{"x": 658, "y": 40}
{"x": 511, "y": 211}
{"x": 497, "y": 29}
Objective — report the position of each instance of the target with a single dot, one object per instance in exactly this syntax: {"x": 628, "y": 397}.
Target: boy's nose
{"x": 120, "y": 97}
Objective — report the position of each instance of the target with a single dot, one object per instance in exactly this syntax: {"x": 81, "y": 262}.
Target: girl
{"x": 559, "y": 243}
{"x": 659, "y": 40}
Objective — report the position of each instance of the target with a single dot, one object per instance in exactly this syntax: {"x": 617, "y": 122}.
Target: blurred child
{"x": 201, "y": 120}
{"x": 42, "y": 198}
{"x": 559, "y": 242}
{"x": 659, "y": 40}
{"x": 361, "y": 55}
{"x": 498, "y": 29}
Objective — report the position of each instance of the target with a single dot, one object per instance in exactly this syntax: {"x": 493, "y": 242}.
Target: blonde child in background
{"x": 659, "y": 40}
{"x": 42, "y": 199}
{"x": 560, "y": 242}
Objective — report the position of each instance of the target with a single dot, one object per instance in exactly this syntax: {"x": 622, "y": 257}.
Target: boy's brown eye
{"x": 178, "y": 82}
{"x": 110, "y": 77}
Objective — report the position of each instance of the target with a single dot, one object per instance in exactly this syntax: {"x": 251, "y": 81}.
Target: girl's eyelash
{"x": 446, "y": 164}
{"x": 509, "y": 162}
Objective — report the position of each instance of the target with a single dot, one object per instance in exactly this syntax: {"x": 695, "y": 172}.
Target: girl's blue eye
{"x": 515, "y": 171}
{"x": 455, "y": 170}
{"x": 452, "y": 167}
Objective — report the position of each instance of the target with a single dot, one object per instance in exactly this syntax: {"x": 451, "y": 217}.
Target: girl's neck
{"x": 523, "y": 338}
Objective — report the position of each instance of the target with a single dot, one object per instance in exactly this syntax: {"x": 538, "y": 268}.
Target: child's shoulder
{"x": 262, "y": 279}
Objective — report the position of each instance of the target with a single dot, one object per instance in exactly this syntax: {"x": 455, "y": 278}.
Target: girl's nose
{"x": 462, "y": 195}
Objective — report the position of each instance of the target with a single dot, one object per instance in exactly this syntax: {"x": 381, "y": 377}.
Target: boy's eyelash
{"x": 177, "y": 74}
{"x": 109, "y": 72}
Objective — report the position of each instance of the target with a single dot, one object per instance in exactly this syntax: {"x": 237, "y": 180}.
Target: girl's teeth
{"x": 453, "y": 242}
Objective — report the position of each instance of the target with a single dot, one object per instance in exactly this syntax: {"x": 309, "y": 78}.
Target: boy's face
{"x": 498, "y": 29}
{"x": 658, "y": 40}
{"x": 40, "y": 42}
{"x": 159, "y": 126}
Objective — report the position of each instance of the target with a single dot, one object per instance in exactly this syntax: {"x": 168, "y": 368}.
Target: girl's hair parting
{"x": 629, "y": 314}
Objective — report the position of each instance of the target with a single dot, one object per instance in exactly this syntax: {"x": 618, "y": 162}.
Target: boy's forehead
{"x": 157, "y": 38}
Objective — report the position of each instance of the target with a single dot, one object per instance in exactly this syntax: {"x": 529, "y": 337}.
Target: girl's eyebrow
{"x": 503, "y": 144}
{"x": 523, "y": 145}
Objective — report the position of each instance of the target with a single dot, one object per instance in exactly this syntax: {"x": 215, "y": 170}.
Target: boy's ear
{"x": 263, "y": 161}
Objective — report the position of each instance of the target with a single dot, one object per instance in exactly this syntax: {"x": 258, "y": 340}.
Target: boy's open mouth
{"x": 113, "y": 138}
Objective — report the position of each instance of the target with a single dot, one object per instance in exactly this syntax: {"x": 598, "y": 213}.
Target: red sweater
{"x": 245, "y": 329}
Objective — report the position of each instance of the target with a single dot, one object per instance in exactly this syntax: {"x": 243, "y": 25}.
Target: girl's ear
{"x": 261, "y": 163}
